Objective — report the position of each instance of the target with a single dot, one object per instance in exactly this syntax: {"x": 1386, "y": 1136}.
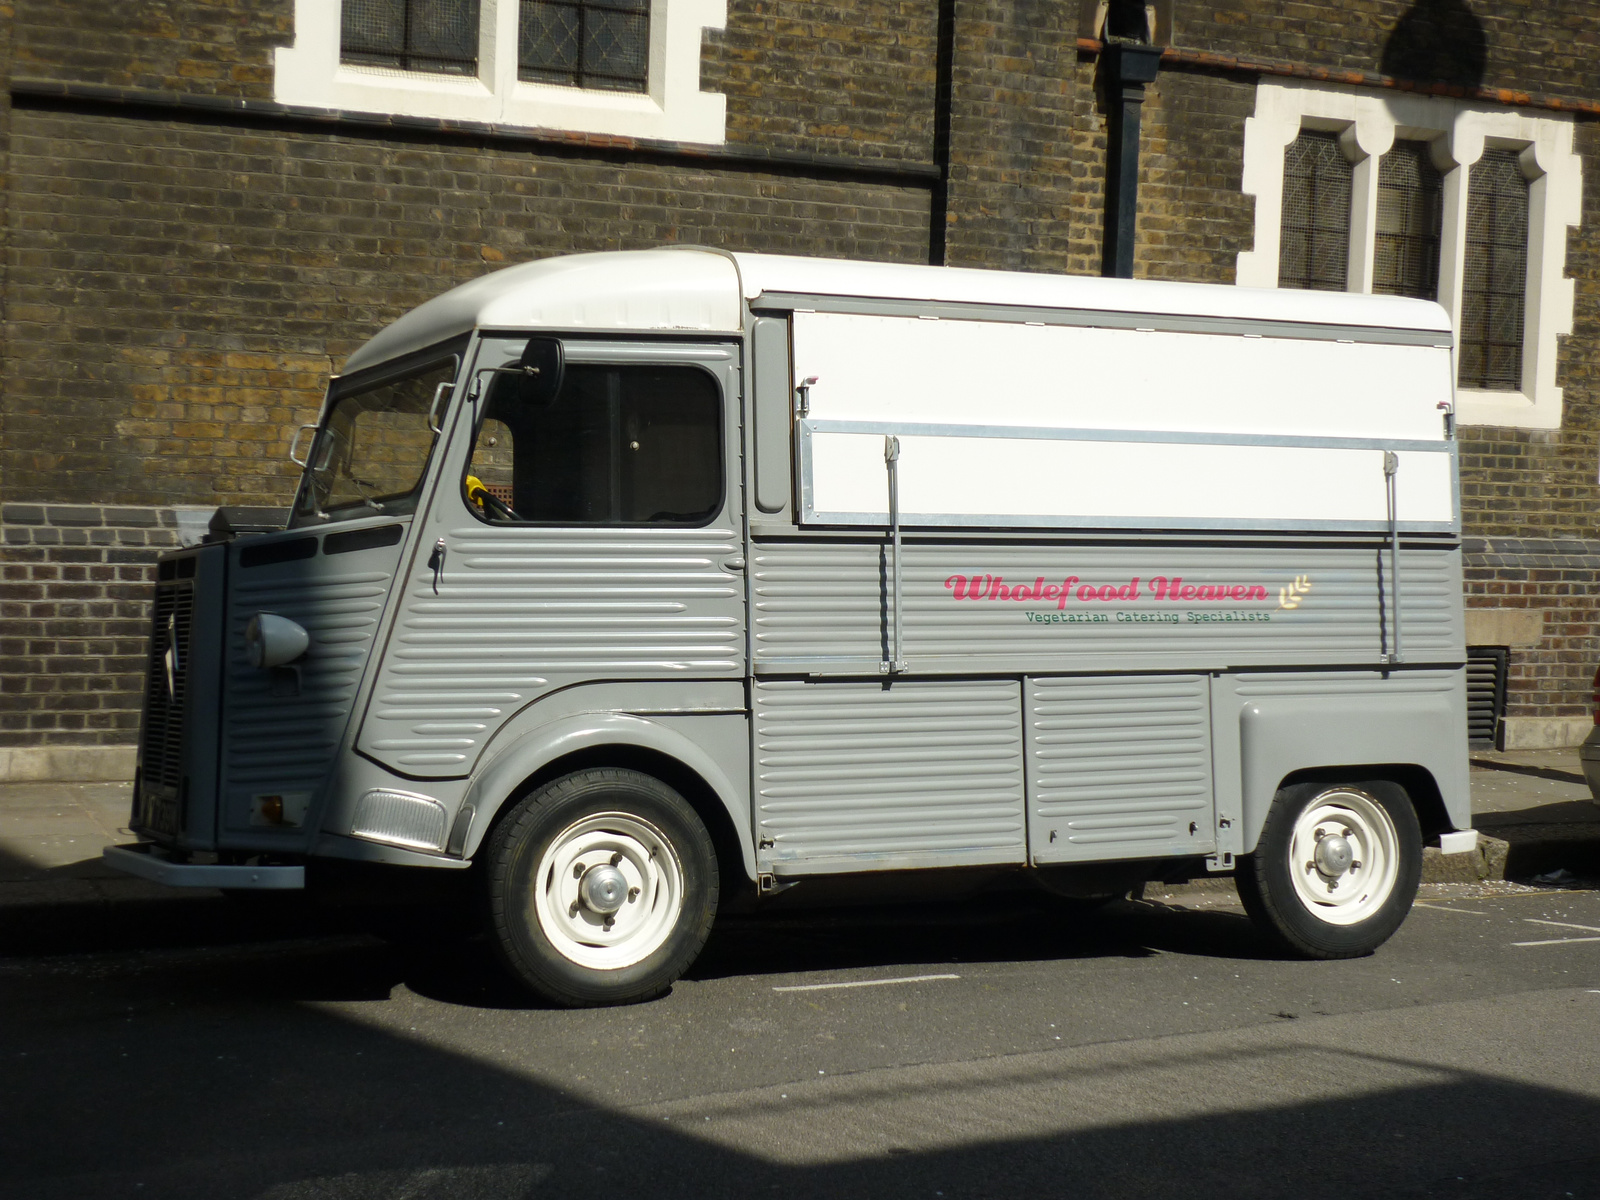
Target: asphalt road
{"x": 1001, "y": 1048}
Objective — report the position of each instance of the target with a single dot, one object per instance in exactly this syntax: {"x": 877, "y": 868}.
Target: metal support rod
{"x": 894, "y": 662}
{"x": 1391, "y": 467}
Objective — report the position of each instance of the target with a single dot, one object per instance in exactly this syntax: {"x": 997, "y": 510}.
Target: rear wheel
{"x": 602, "y": 888}
{"x": 1336, "y": 868}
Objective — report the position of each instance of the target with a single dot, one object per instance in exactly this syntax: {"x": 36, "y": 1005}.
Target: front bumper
{"x": 148, "y": 861}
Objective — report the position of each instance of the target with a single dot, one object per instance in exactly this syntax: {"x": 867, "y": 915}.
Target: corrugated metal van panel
{"x": 1346, "y": 683}
{"x": 818, "y": 600}
{"x": 522, "y": 611}
{"x": 868, "y": 775}
{"x": 283, "y": 741}
{"x": 1119, "y": 767}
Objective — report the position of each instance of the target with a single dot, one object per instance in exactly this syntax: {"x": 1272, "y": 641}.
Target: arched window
{"x": 1496, "y": 283}
{"x": 1406, "y": 257}
{"x": 1315, "y": 250}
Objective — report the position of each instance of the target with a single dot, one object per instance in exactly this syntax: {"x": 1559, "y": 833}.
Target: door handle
{"x": 436, "y": 563}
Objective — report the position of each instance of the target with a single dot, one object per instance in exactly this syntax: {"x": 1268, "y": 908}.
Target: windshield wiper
{"x": 367, "y": 498}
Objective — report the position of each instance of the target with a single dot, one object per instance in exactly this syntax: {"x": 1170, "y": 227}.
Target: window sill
{"x": 309, "y": 74}
{"x": 1513, "y": 409}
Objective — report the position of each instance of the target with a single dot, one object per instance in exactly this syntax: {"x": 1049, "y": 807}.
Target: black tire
{"x": 550, "y": 891}
{"x": 1305, "y": 915}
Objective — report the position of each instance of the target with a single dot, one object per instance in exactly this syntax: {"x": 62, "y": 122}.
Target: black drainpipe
{"x": 1126, "y": 67}
{"x": 943, "y": 97}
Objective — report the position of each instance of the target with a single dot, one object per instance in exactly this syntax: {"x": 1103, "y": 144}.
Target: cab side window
{"x": 492, "y": 464}
{"x": 618, "y": 445}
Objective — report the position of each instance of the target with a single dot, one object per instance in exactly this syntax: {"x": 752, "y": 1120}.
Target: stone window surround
{"x": 1369, "y": 123}
{"x": 309, "y": 74}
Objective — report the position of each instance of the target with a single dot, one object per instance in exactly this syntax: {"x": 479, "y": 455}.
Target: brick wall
{"x": 1548, "y": 47}
{"x": 206, "y": 47}
{"x": 177, "y": 290}
{"x": 1556, "y": 576}
{"x": 849, "y": 79}
{"x": 1533, "y": 496}
{"x": 1193, "y": 219}
{"x": 181, "y": 292}
{"x": 182, "y": 288}
{"x": 1027, "y": 148}
{"x": 853, "y": 78}
{"x": 74, "y": 620}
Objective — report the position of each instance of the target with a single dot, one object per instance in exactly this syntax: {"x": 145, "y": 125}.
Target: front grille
{"x": 166, "y": 689}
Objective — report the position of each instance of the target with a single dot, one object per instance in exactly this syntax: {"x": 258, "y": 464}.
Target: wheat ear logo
{"x": 1290, "y": 595}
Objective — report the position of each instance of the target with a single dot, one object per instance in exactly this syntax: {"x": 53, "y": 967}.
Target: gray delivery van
{"x": 633, "y": 580}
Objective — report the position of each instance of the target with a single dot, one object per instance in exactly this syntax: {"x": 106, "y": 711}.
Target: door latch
{"x": 436, "y": 563}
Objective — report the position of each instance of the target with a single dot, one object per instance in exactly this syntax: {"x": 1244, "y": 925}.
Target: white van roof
{"x": 696, "y": 289}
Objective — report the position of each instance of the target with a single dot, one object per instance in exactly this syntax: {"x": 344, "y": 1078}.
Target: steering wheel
{"x": 496, "y": 508}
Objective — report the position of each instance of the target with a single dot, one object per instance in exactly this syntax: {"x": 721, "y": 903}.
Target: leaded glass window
{"x": 1314, "y": 246}
{"x": 601, "y": 44}
{"x": 1410, "y": 193}
{"x": 439, "y": 36}
{"x": 1496, "y": 277}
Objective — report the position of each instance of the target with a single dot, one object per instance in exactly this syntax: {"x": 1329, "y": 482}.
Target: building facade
{"x": 209, "y": 203}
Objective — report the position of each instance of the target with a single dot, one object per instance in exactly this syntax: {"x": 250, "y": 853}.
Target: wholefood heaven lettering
{"x": 1161, "y": 587}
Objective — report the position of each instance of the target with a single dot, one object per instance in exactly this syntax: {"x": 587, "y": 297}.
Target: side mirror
{"x": 544, "y": 367}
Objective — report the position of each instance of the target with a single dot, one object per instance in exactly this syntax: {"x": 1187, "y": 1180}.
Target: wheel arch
{"x": 1417, "y": 782}
{"x": 615, "y": 740}
{"x": 1417, "y": 741}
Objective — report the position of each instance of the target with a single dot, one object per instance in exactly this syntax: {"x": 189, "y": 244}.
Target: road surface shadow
{"x": 152, "y": 1092}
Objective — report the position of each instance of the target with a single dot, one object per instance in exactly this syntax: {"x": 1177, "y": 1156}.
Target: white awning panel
{"x": 957, "y": 477}
{"x": 1007, "y": 424}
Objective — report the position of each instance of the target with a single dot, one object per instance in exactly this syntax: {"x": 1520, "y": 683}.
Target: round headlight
{"x": 271, "y": 640}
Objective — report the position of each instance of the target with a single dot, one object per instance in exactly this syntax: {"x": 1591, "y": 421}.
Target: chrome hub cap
{"x": 1334, "y": 855}
{"x": 603, "y": 889}
{"x": 1344, "y": 856}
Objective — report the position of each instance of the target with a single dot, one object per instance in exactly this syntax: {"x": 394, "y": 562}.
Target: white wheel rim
{"x": 650, "y": 870}
{"x": 1344, "y": 897}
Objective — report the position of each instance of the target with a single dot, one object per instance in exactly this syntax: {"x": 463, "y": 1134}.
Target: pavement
{"x": 1538, "y": 826}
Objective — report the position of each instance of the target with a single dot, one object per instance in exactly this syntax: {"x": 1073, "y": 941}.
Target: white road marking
{"x": 1557, "y": 942}
{"x": 818, "y": 987}
{"x": 1441, "y": 908}
{"x": 1563, "y": 924}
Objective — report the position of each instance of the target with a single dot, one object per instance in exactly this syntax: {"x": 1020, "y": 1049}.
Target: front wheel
{"x": 1336, "y": 868}
{"x": 602, "y": 888}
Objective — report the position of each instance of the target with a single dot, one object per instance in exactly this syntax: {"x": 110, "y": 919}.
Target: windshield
{"x": 371, "y": 451}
